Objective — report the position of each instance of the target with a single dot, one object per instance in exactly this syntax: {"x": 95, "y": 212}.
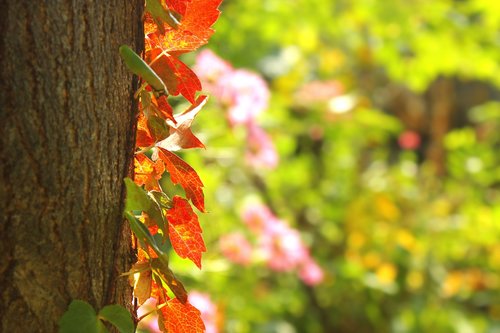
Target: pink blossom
{"x": 209, "y": 67}
{"x": 261, "y": 151}
{"x": 244, "y": 93}
{"x": 409, "y": 140}
{"x": 208, "y": 310}
{"x": 258, "y": 218}
{"x": 310, "y": 272}
{"x": 236, "y": 248}
{"x": 250, "y": 96}
{"x": 282, "y": 247}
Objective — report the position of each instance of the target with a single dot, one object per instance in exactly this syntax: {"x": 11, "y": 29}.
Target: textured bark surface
{"x": 67, "y": 137}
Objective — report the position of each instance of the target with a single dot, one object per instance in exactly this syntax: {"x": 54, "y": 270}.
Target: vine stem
{"x": 150, "y": 312}
{"x": 145, "y": 149}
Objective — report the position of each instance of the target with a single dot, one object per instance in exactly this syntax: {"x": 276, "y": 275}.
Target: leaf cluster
{"x": 160, "y": 221}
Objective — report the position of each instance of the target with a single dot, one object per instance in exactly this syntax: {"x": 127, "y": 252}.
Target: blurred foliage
{"x": 405, "y": 247}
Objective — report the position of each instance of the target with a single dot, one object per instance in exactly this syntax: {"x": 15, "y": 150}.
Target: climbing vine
{"x": 159, "y": 220}
{"x": 171, "y": 27}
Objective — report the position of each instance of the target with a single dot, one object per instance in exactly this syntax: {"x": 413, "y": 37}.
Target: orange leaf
{"x": 147, "y": 172}
{"x": 184, "y": 231}
{"x": 194, "y": 29}
{"x": 146, "y": 254}
{"x": 176, "y": 317}
{"x": 178, "y": 77}
{"x": 143, "y": 137}
{"x": 178, "y": 5}
{"x": 181, "y": 136}
{"x": 164, "y": 108}
{"x": 158, "y": 291}
{"x": 182, "y": 173}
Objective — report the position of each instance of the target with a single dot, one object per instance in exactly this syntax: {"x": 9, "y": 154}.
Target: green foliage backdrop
{"x": 406, "y": 232}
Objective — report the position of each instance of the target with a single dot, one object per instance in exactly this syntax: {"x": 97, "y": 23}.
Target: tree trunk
{"x": 67, "y": 138}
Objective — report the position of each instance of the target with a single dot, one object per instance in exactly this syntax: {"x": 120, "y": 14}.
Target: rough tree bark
{"x": 66, "y": 143}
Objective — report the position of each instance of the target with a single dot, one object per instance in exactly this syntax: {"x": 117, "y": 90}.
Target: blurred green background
{"x": 386, "y": 119}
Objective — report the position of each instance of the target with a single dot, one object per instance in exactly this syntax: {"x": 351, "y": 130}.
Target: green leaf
{"x": 139, "y": 67}
{"x": 162, "y": 199}
{"x": 140, "y": 230}
{"x": 119, "y": 317}
{"x": 80, "y": 318}
{"x": 101, "y": 328}
{"x": 161, "y": 14}
{"x": 158, "y": 127}
{"x": 137, "y": 198}
{"x": 143, "y": 235}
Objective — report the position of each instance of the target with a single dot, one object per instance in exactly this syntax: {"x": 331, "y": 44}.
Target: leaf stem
{"x": 152, "y": 311}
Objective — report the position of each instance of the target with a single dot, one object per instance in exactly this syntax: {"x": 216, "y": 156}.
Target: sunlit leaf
{"x": 178, "y": 77}
{"x": 143, "y": 137}
{"x": 147, "y": 172}
{"x": 165, "y": 273}
{"x": 194, "y": 29}
{"x": 185, "y": 231}
{"x": 181, "y": 136}
{"x": 161, "y": 14}
{"x": 181, "y": 173}
{"x": 176, "y": 317}
{"x": 139, "y": 67}
{"x": 142, "y": 284}
{"x": 137, "y": 198}
{"x": 179, "y": 5}
{"x": 157, "y": 127}
{"x": 163, "y": 107}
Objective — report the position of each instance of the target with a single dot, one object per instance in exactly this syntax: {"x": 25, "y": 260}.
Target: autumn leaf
{"x": 143, "y": 137}
{"x": 178, "y": 77}
{"x": 157, "y": 127}
{"x": 181, "y": 136}
{"x": 193, "y": 31}
{"x": 164, "y": 44}
{"x": 162, "y": 270}
{"x": 164, "y": 109}
{"x": 178, "y": 6}
{"x": 184, "y": 231}
{"x": 183, "y": 174}
{"x": 176, "y": 317}
{"x": 147, "y": 172}
{"x": 158, "y": 291}
{"x": 161, "y": 15}
{"x": 142, "y": 284}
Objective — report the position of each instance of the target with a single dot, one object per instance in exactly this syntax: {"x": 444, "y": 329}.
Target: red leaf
{"x": 178, "y": 5}
{"x": 194, "y": 29}
{"x": 178, "y": 77}
{"x": 181, "y": 136}
{"x": 176, "y": 317}
{"x": 147, "y": 172}
{"x": 143, "y": 137}
{"x": 182, "y": 173}
{"x": 164, "y": 109}
{"x": 198, "y": 19}
{"x": 158, "y": 291}
{"x": 184, "y": 231}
